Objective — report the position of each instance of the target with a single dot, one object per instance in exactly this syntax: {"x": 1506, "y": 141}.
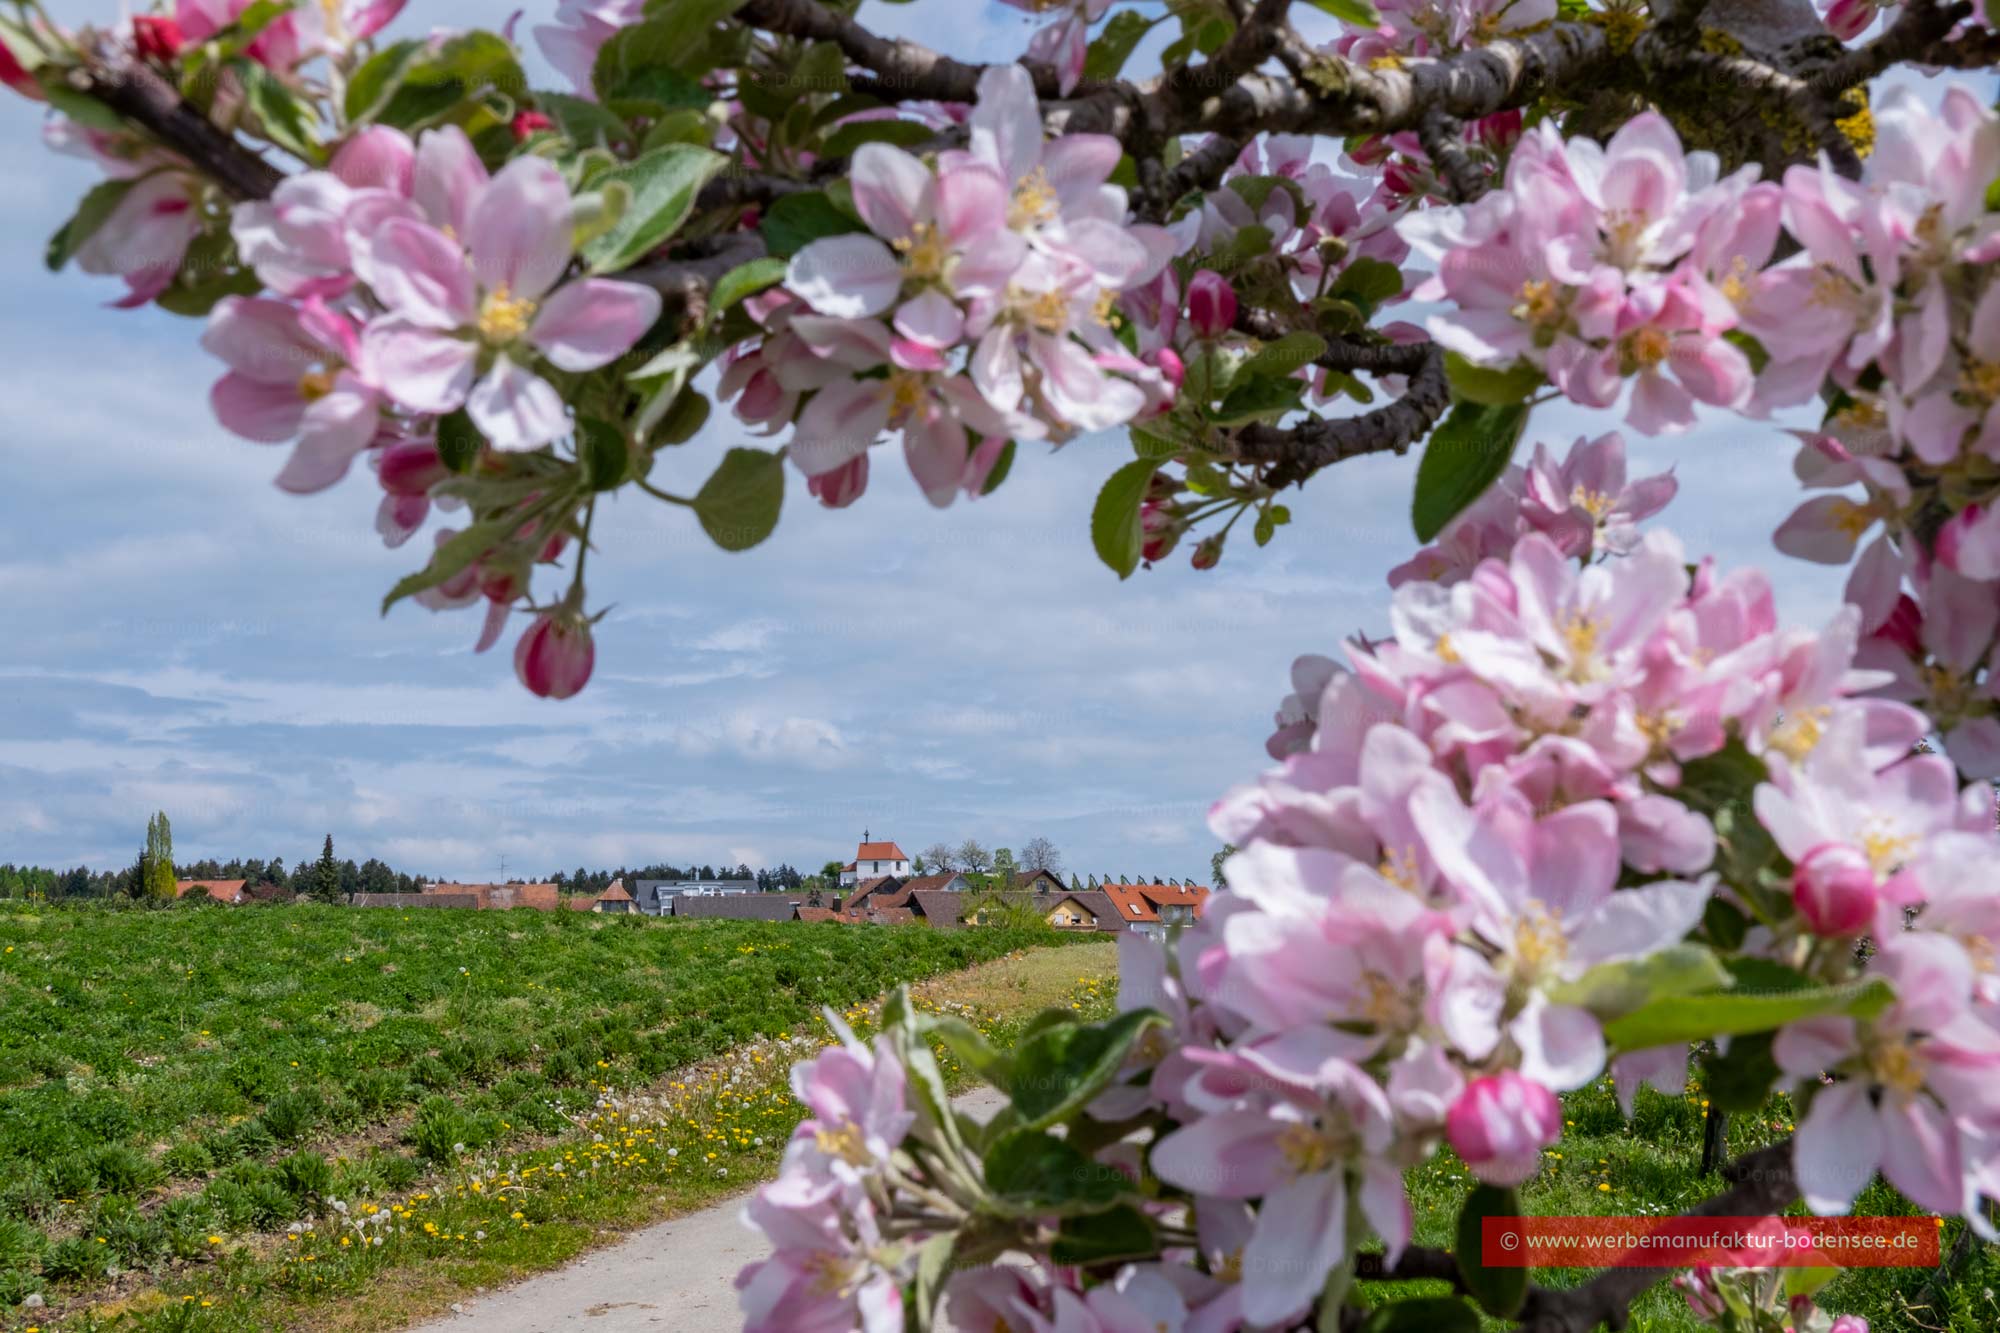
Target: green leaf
{"x": 286, "y": 119}
{"x": 586, "y": 124}
{"x": 92, "y": 211}
{"x": 209, "y": 271}
{"x": 738, "y": 505}
{"x": 797, "y": 220}
{"x": 1286, "y": 356}
{"x": 675, "y": 36}
{"x": 1725, "y": 923}
{"x": 1258, "y": 400}
{"x": 664, "y": 184}
{"x": 657, "y": 88}
{"x": 1359, "y": 13}
{"x": 1499, "y": 1291}
{"x": 902, "y": 133}
{"x": 745, "y": 280}
{"x": 1426, "y": 1314}
{"x": 1059, "y": 1071}
{"x": 1035, "y": 1173}
{"x": 686, "y": 412}
{"x": 458, "y": 441}
{"x": 460, "y": 550}
{"x": 1001, "y": 467}
{"x": 1114, "y": 519}
{"x": 1108, "y": 1237}
{"x": 604, "y": 453}
{"x": 1730, "y": 1013}
{"x": 934, "y": 1265}
{"x": 970, "y": 1045}
{"x": 409, "y": 84}
{"x": 1368, "y": 282}
{"x": 1611, "y": 989}
{"x": 1493, "y": 388}
{"x": 1465, "y": 455}
{"x": 1105, "y": 57}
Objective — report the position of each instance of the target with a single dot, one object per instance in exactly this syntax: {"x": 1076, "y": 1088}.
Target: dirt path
{"x": 676, "y": 1277}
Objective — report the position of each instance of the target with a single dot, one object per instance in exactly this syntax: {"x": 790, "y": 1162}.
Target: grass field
{"x": 182, "y": 1090}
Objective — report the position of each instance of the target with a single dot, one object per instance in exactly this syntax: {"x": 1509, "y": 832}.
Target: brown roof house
{"x": 1072, "y": 909}
{"x": 614, "y": 899}
{"x": 221, "y": 890}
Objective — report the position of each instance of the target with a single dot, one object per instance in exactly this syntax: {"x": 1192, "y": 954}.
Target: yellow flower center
{"x": 1399, "y": 867}
{"x": 1034, "y": 202}
{"x": 924, "y": 252}
{"x": 1230, "y": 1269}
{"x": 1852, "y": 519}
{"x": 1886, "y": 851}
{"x": 1579, "y": 633}
{"x": 1798, "y": 734}
{"x": 844, "y": 1143}
{"x": 1736, "y": 287}
{"x": 1831, "y": 288}
{"x": 1308, "y": 1148}
{"x": 1047, "y": 311}
{"x": 1539, "y": 942}
{"x": 1980, "y": 380}
{"x": 1862, "y": 414}
{"x": 1594, "y": 503}
{"x": 1892, "y": 1067}
{"x": 1446, "y": 650}
{"x": 1982, "y": 953}
{"x": 1658, "y": 728}
{"x": 1385, "y": 1004}
{"x": 1104, "y": 311}
{"x": 503, "y": 316}
{"x": 1647, "y": 347}
{"x": 315, "y": 385}
{"x": 1539, "y": 303}
{"x": 906, "y": 391}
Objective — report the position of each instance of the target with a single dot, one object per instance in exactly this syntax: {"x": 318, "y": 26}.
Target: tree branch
{"x": 145, "y": 99}
{"x": 1444, "y": 141}
{"x": 684, "y": 284}
{"x": 1921, "y": 25}
{"x": 905, "y": 70}
{"x": 1318, "y": 442}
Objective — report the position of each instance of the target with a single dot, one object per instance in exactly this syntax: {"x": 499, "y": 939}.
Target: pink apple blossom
{"x": 1500, "y": 1124}
{"x": 466, "y": 319}
{"x": 294, "y": 373}
{"x": 554, "y": 655}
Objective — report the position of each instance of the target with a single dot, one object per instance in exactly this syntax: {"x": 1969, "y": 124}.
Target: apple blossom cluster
{"x": 1597, "y": 265}
{"x": 1579, "y": 768}
{"x": 1899, "y": 270}
{"x": 978, "y": 307}
{"x": 1746, "y": 1297}
{"x": 407, "y": 283}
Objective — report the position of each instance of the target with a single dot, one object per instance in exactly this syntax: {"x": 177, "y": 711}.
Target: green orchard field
{"x": 172, "y": 1081}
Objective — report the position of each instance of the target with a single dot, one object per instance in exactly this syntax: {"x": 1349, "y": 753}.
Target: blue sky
{"x": 185, "y": 637}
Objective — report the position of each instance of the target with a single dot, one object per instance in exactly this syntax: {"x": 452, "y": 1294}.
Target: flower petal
{"x": 518, "y": 230}
{"x": 592, "y": 322}
{"x": 516, "y": 409}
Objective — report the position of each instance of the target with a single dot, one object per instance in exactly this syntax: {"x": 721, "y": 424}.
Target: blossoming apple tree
{"x": 1584, "y": 807}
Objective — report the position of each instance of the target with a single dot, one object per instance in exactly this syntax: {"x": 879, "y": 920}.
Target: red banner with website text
{"x": 1729, "y": 1242}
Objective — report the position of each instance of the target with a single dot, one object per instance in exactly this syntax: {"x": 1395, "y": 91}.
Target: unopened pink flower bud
{"x": 379, "y": 157}
{"x": 1160, "y": 529}
{"x": 410, "y": 467}
{"x": 1500, "y": 1124}
{"x": 156, "y": 37}
{"x": 1849, "y": 1323}
{"x": 842, "y": 486}
{"x": 1969, "y": 543}
{"x": 1207, "y": 553}
{"x": 1172, "y": 369}
{"x": 554, "y": 658}
{"x": 16, "y": 76}
{"x": 1835, "y": 889}
{"x": 1211, "y": 304}
{"x": 1905, "y": 626}
{"x": 1845, "y": 19}
{"x": 528, "y": 123}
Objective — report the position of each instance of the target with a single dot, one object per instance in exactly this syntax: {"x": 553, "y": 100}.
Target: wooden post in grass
{"x": 1714, "y": 1139}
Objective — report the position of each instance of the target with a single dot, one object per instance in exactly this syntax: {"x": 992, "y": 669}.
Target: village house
{"x": 230, "y": 891}
{"x": 472, "y": 897}
{"x": 655, "y": 897}
{"x": 1151, "y": 909}
{"x": 873, "y": 860}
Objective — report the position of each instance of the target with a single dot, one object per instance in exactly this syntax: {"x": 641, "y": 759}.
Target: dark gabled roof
{"x": 1025, "y": 880}
{"x": 929, "y": 883}
{"x": 940, "y": 907}
{"x": 880, "y": 884}
{"x": 740, "y": 907}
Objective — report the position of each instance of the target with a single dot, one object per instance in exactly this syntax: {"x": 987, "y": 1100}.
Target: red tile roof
{"x": 880, "y": 851}
{"x": 222, "y": 890}
{"x": 615, "y": 894}
{"x": 818, "y": 914}
{"x": 1140, "y": 902}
